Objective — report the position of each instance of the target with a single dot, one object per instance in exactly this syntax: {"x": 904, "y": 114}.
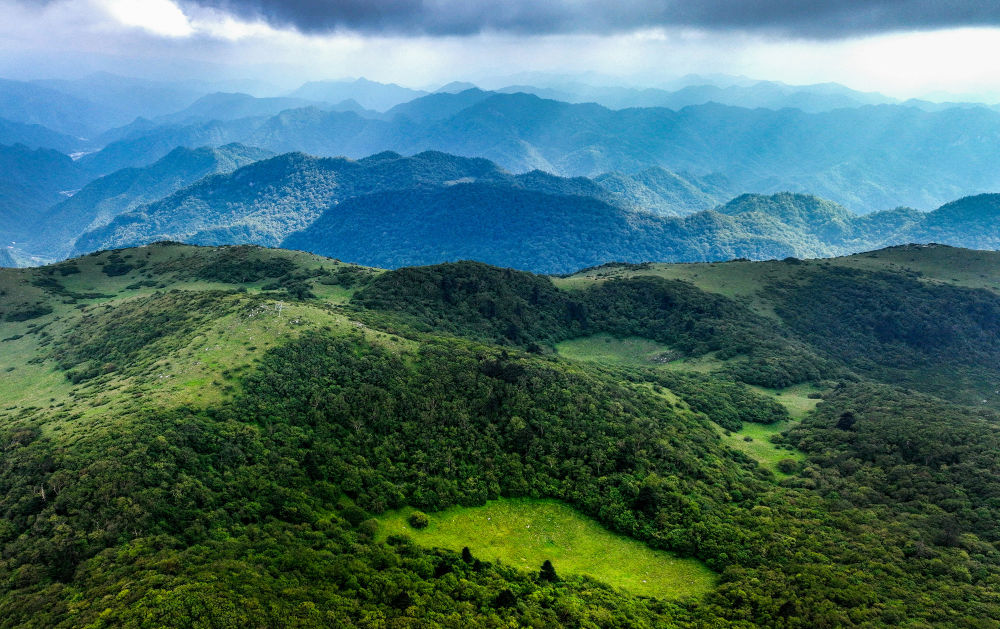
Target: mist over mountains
{"x": 646, "y": 175}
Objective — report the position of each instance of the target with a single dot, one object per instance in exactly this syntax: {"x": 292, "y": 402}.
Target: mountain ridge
{"x": 371, "y": 211}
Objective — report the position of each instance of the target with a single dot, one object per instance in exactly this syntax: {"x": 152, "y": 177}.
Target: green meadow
{"x": 523, "y": 533}
{"x": 760, "y": 447}
{"x": 632, "y": 351}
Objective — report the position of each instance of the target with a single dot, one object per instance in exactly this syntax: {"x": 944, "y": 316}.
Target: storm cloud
{"x": 812, "y": 19}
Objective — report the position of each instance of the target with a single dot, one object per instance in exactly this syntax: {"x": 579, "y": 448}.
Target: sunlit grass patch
{"x": 794, "y": 398}
{"x": 634, "y": 351}
{"x": 524, "y": 533}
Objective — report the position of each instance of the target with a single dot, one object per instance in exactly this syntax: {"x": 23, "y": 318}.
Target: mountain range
{"x": 361, "y": 355}
{"x": 390, "y": 211}
{"x": 103, "y": 199}
{"x": 865, "y": 158}
{"x": 583, "y": 183}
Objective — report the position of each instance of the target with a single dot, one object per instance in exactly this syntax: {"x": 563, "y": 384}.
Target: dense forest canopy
{"x": 213, "y": 432}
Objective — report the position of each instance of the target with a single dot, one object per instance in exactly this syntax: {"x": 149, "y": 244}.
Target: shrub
{"x": 418, "y": 520}
{"x": 788, "y": 466}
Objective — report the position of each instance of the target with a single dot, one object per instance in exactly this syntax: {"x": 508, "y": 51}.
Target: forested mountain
{"x": 544, "y": 232}
{"x": 391, "y": 211}
{"x": 437, "y": 106}
{"x": 103, "y": 199}
{"x": 212, "y": 436}
{"x": 36, "y": 136}
{"x": 865, "y": 158}
{"x": 971, "y": 221}
{"x": 658, "y": 190}
{"x": 147, "y": 144}
{"x": 32, "y": 181}
{"x": 266, "y": 201}
{"x": 494, "y": 222}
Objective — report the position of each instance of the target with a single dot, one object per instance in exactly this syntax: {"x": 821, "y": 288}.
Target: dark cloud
{"x": 797, "y": 18}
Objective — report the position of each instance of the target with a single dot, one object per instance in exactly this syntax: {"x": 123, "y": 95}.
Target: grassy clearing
{"x": 524, "y": 533}
{"x": 606, "y": 349}
{"x": 760, "y": 447}
{"x": 795, "y": 398}
{"x": 633, "y": 351}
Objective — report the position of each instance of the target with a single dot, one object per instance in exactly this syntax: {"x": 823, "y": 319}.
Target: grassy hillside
{"x": 226, "y": 436}
{"x": 874, "y": 312}
{"x": 524, "y": 533}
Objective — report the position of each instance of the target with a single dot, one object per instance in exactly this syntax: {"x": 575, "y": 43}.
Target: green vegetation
{"x": 392, "y": 211}
{"x": 187, "y": 445}
{"x": 516, "y": 308}
{"x": 606, "y": 349}
{"x": 523, "y": 533}
{"x": 755, "y": 440}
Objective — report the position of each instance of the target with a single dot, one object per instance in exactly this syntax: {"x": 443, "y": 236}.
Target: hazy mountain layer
{"x": 36, "y": 136}
{"x": 103, "y": 199}
{"x": 32, "y": 181}
{"x": 865, "y": 158}
{"x": 392, "y": 211}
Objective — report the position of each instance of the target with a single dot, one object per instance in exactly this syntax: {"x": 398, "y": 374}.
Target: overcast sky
{"x": 903, "y": 47}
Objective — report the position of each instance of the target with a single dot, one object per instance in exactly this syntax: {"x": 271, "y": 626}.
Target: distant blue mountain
{"x": 388, "y": 210}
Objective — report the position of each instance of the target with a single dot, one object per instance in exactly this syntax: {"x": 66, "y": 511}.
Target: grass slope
{"x": 524, "y": 532}
{"x": 88, "y": 298}
{"x": 754, "y": 440}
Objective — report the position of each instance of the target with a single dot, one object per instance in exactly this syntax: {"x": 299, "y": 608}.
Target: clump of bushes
{"x": 788, "y": 466}
{"x": 418, "y": 520}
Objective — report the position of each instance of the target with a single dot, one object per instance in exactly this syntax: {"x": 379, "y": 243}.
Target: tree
{"x": 467, "y": 555}
{"x": 788, "y": 466}
{"x": 418, "y": 520}
{"x": 505, "y": 598}
{"x": 548, "y": 572}
{"x": 847, "y": 421}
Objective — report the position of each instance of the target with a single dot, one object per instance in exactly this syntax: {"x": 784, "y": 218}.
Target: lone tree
{"x": 548, "y": 573}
